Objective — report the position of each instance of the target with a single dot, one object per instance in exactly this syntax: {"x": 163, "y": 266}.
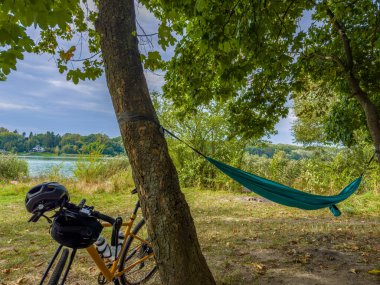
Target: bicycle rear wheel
{"x": 134, "y": 251}
{"x": 54, "y": 279}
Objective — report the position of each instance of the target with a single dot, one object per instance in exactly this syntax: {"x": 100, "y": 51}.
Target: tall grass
{"x": 111, "y": 174}
{"x": 12, "y": 168}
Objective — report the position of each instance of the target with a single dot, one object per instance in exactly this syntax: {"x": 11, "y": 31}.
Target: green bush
{"x": 12, "y": 168}
{"x": 95, "y": 169}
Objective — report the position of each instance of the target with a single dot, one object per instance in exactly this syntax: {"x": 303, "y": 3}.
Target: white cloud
{"x": 37, "y": 66}
{"x": 37, "y": 94}
{"x": 88, "y": 106}
{"x": 24, "y": 75}
{"x": 83, "y": 88}
{"x": 13, "y": 106}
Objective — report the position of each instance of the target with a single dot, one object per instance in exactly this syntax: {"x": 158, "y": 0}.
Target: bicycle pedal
{"x": 101, "y": 279}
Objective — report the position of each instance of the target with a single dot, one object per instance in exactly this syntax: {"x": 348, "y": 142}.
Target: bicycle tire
{"x": 137, "y": 276}
{"x": 57, "y": 272}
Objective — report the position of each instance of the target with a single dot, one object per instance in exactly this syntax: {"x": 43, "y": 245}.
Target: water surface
{"x": 42, "y": 165}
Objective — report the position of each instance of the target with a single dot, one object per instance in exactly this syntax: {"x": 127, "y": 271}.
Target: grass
{"x": 246, "y": 240}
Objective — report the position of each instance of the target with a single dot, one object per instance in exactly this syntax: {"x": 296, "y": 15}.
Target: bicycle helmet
{"x": 45, "y": 197}
{"x": 74, "y": 230}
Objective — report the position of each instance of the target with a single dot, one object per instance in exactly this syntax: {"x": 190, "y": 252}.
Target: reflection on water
{"x": 40, "y": 166}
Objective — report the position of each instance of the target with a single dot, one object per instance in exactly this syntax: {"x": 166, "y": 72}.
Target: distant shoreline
{"x": 49, "y": 154}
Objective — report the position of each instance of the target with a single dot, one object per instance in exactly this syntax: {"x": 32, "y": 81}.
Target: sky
{"x": 37, "y": 98}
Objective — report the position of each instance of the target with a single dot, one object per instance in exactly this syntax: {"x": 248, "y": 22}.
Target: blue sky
{"x": 38, "y": 98}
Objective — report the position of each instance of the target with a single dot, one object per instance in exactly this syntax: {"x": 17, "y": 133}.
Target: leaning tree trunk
{"x": 370, "y": 110}
{"x": 170, "y": 225}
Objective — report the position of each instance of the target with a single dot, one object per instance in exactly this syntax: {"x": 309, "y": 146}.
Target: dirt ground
{"x": 343, "y": 255}
{"x": 311, "y": 266}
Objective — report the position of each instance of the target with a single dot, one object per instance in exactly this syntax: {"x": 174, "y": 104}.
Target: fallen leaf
{"x": 354, "y": 247}
{"x": 374, "y": 271}
{"x": 353, "y": 270}
{"x": 260, "y": 268}
{"x": 22, "y": 280}
{"x": 6, "y": 271}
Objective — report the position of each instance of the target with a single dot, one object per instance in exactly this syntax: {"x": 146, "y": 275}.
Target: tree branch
{"x": 232, "y": 11}
{"x": 147, "y": 35}
{"x": 346, "y": 42}
{"x": 335, "y": 59}
{"x": 87, "y": 58}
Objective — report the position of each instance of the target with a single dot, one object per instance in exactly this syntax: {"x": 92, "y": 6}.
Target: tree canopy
{"x": 255, "y": 56}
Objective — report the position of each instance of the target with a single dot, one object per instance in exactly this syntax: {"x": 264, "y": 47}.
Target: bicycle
{"x": 78, "y": 227}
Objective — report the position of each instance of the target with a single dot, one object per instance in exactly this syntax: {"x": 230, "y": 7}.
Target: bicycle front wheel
{"x": 54, "y": 279}
{"x": 140, "y": 254}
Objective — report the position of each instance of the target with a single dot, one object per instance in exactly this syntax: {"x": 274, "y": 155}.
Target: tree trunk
{"x": 170, "y": 225}
{"x": 370, "y": 111}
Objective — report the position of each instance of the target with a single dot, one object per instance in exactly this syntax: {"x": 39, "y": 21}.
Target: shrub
{"x": 95, "y": 169}
{"x": 12, "y": 168}
{"x": 324, "y": 174}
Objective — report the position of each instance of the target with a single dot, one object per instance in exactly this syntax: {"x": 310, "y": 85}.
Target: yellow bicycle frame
{"x": 111, "y": 273}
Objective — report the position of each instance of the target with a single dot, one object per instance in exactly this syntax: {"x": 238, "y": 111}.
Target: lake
{"x": 40, "y": 165}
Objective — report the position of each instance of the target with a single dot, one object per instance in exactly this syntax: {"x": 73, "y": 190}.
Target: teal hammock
{"x": 285, "y": 195}
{"x": 280, "y": 193}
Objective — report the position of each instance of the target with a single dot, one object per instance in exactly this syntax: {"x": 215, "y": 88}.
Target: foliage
{"x": 209, "y": 132}
{"x": 320, "y": 170}
{"x": 94, "y": 168}
{"x": 323, "y": 61}
{"x": 256, "y": 55}
{"x": 60, "y": 25}
{"x": 292, "y": 151}
{"x": 12, "y": 168}
{"x": 55, "y": 143}
{"x": 55, "y": 173}
{"x": 325, "y": 171}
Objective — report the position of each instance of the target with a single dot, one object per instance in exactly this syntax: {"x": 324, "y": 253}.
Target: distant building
{"x": 38, "y": 148}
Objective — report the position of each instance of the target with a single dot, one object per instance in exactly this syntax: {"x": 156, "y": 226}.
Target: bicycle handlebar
{"x": 89, "y": 211}
{"x": 103, "y": 217}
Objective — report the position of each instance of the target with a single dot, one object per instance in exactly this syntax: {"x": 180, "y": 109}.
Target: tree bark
{"x": 170, "y": 225}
